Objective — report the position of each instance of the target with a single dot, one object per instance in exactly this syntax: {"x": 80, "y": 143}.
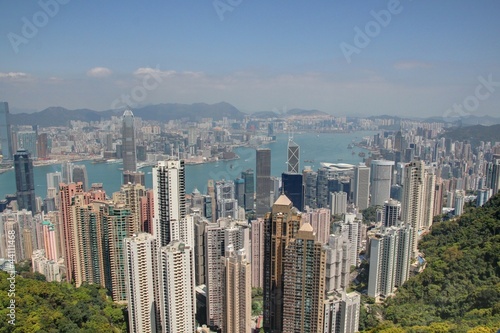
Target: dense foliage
{"x": 459, "y": 291}
{"x": 370, "y": 214}
{"x": 474, "y": 134}
{"x": 45, "y": 307}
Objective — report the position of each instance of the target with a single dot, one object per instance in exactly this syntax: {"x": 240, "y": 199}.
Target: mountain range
{"x": 59, "y": 116}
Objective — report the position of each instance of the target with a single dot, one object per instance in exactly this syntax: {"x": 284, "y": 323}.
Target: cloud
{"x": 99, "y": 72}
{"x": 15, "y": 76}
{"x": 168, "y": 73}
{"x": 409, "y": 65}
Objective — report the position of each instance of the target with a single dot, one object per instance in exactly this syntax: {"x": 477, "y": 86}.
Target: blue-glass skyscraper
{"x": 293, "y": 189}
{"x": 25, "y": 184}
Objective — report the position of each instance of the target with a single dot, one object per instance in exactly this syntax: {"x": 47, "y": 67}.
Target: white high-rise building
{"x": 341, "y": 312}
{"x": 53, "y": 180}
{"x": 169, "y": 200}
{"x": 413, "y": 197}
{"x": 390, "y": 257}
{"x": 141, "y": 280}
{"x": 227, "y": 205}
{"x": 177, "y": 293}
{"x": 380, "y": 181}
{"x": 338, "y": 203}
{"x": 428, "y": 198}
{"x": 338, "y": 266}
{"x": 238, "y": 291}
{"x": 351, "y": 228}
{"x": 257, "y": 243}
{"x": 361, "y": 188}
{"x": 459, "y": 202}
{"x": 218, "y": 237}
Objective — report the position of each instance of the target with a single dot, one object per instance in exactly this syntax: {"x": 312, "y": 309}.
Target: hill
{"x": 305, "y": 113}
{"x": 59, "y": 116}
{"x": 288, "y": 114}
{"x": 474, "y": 133}
{"x": 459, "y": 291}
{"x": 58, "y": 307}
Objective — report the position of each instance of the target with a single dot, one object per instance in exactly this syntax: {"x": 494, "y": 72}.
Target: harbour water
{"x": 314, "y": 148}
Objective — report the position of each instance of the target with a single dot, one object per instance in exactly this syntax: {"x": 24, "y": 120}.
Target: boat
{"x": 309, "y": 161}
{"x": 361, "y": 154}
{"x": 349, "y": 146}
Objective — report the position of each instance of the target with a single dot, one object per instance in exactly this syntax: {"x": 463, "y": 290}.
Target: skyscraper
{"x": 380, "y": 181}
{"x": 27, "y": 140}
{"x": 342, "y": 312}
{"x": 249, "y": 199}
{"x": 310, "y": 192}
{"x": 361, "y": 190}
{"x": 338, "y": 264}
{"x": 118, "y": 219}
{"x": 79, "y": 173}
{"x": 293, "y": 161}
{"x": 459, "y": 202}
{"x": 227, "y": 205}
{"x": 392, "y": 212}
{"x": 428, "y": 198}
{"x": 66, "y": 194}
{"x": 293, "y": 189}
{"x": 239, "y": 191}
{"x": 25, "y": 183}
{"x": 263, "y": 168}
{"x": 128, "y": 142}
{"x": 141, "y": 280}
{"x": 280, "y": 227}
{"x": 413, "y": 194}
{"x": 338, "y": 203}
{"x": 218, "y": 236}
{"x": 43, "y": 145}
{"x": 238, "y": 293}
{"x": 131, "y": 196}
{"x": 177, "y": 293}
{"x": 169, "y": 200}
{"x": 304, "y": 283}
{"x": 87, "y": 233}
{"x": 53, "y": 180}
{"x": 390, "y": 257}
{"x": 257, "y": 242}
{"x": 5, "y": 131}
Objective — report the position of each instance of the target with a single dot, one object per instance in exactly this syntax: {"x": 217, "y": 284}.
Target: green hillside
{"x": 459, "y": 291}
{"x": 45, "y": 307}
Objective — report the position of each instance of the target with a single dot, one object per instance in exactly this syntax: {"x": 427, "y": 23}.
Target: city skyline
{"x": 299, "y": 253}
{"x": 313, "y": 56}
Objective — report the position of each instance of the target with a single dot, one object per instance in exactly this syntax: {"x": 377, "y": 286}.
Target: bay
{"x": 314, "y": 148}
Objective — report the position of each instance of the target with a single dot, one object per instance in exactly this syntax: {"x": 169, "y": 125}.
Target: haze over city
{"x": 406, "y": 58}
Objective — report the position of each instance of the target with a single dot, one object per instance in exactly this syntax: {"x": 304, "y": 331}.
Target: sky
{"x": 345, "y": 57}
